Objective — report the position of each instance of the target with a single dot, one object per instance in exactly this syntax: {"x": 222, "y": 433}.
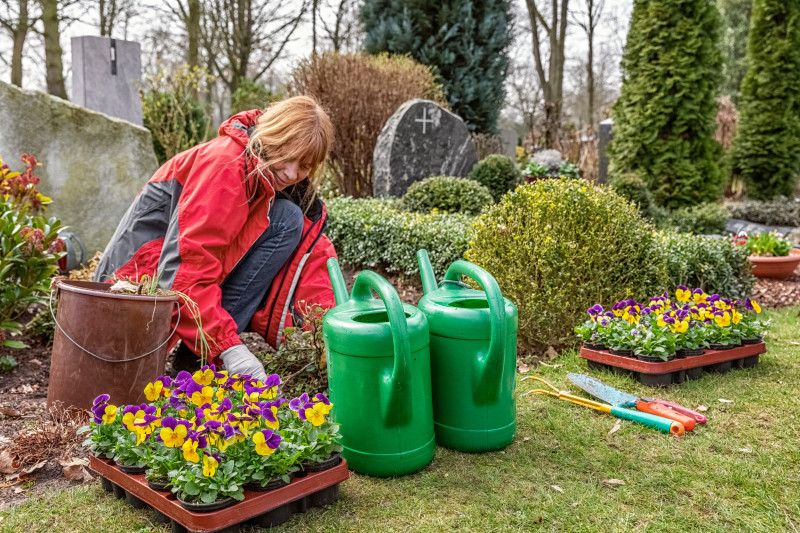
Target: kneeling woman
{"x": 235, "y": 225}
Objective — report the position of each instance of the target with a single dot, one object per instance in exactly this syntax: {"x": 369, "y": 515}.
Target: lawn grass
{"x": 740, "y": 472}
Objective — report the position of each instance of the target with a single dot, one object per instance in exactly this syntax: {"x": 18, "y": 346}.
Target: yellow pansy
{"x": 153, "y": 391}
{"x": 210, "y": 465}
{"x": 190, "y": 451}
{"x": 110, "y": 414}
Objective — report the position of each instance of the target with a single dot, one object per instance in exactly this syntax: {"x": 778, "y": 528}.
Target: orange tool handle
{"x": 662, "y": 410}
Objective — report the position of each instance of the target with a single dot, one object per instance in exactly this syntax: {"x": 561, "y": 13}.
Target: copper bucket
{"x": 106, "y": 343}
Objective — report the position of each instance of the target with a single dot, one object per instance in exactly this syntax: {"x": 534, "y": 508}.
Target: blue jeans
{"x": 245, "y": 287}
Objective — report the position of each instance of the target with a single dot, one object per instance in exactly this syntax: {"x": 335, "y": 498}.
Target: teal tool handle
{"x": 657, "y": 422}
{"x": 490, "y": 365}
{"x": 337, "y": 281}
{"x": 398, "y": 400}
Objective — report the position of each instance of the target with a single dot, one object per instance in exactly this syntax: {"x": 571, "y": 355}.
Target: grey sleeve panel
{"x": 170, "y": 260}
{"x": 146, "y": 220}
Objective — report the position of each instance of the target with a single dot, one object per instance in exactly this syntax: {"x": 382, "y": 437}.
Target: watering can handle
{"x": 337, "y": 281}
{"x": 399, "y": 401}
{"x": 493, "y": 363}
{"x": 114, "y": 360}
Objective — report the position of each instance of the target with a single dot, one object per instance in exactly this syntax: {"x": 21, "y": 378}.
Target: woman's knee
{"x": 289, "y": 216}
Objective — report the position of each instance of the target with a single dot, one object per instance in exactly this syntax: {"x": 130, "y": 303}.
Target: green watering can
{"x": 473, "y": 358}
{"x": 379, "y": 377}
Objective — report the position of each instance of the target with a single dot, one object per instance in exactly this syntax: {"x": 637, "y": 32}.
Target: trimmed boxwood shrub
{"x": 447, "y": 194}
{"x": 715, "y": 265}
{"x": 700, "y": 219}
{"x": 496, "y": 172}
{"x": 556, "y": 247}
{"x": 632, "y": 187}
{"x": 376, "y": 233}
{"x": 778, "y": 212}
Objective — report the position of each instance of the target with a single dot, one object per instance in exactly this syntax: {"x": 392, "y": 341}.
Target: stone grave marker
{"x": 420, "y": 140}
{"x": 106, "y": 76}
{"x": 509, "y": 139}
{"x": 604, "y": 135}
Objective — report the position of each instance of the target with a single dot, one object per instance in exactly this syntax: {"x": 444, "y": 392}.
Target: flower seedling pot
{"x": 624, "y": 353}
{"x": 202, "y": 507}
{"x": 159, "y": 485}
{"x": 660, "y": 374}
{"x": 262, "y": 509}
{"x": 754, "y": 340}
{"x": 256, "y": 486}
{"x": 473, "y": 337}
{"x": 133, "y": 470}
{"x": 590, "y": 346}
{"x": 689, "y": 352}
{"x": 106, "y": 343}
{"x": 379, "y": 377}
{"x": 722, "y": 346}
{"x": 330, "y": 462}
{"x": 775, "y": 267}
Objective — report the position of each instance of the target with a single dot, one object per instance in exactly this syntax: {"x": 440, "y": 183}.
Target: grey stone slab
{"x": 421, "y": 139}
{"x": 106, "y": 76}
{"x": 735, "y": 225}
{"x": 509, "y": 139}
{"x": 92, "y": 165}
{"x": 604, "y": 138}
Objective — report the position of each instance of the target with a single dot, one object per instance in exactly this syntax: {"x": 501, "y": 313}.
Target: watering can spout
{"x": 337, "y": 281}
{"x": 426, "y": 272}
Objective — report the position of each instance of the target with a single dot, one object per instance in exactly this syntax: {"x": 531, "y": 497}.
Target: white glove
{"x": 239, "y": 360}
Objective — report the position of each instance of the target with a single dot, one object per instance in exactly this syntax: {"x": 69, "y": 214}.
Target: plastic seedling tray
{"x": 677, "y": 370}
{"x": 262, "y": 509}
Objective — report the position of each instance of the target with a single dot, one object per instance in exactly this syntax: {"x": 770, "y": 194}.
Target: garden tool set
{"x": 402, "y": 377}
{"x": 665, "y": 416}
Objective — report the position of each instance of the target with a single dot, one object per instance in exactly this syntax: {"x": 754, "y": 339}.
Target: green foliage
{"x": 466, "y": 40}
{"x": 498, "y": 173}
{"x": 43, "y": 326}
{"x": 765, "y": 244}
{"x": 631, "y": 187}
{"x": 7, "y": 363}
{"x": 714, "y": 265}
{"x": 700, "y": 219}
{"x": 735, "y": 15}
{"x": 171, "y": 111}
{"x": 777, "y": 212}
{"x": 446, "y": 194}
{"x": 558, "y": 246}
{"x": 251, "y": 95}
{"x": 766, "y": 150}
{"x": 372, "y": 233}
{"x": 664, "y": 117}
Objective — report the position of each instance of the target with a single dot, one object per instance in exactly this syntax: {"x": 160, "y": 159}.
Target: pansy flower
{"x": 103, "y": 398}
{"x": 266, "y": 441}
{"x": 210, "y": 464}
{"x": 153, "y": 391}
{"x": 173, "y": 432}
{"x": 189, "y": 448}
{"x": 682, "y": 293}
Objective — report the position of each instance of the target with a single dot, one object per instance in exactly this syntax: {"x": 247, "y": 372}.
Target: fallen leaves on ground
{"x": 723, "y": 400}
{"x": 616, "y": 427}
{"x": 613, "y": 482}
{"x": 551, "y": 352}
{"x": 559, "y": 489}
{"x": 9, "y": 412}
{"x": 7, "y": 462}
{"x": 701, "y": 408}
{"x": 75, "y": 469}
{"x": 551, "y": 366}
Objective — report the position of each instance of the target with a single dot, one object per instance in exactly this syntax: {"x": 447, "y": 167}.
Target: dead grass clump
{"x": 51, "y": 437}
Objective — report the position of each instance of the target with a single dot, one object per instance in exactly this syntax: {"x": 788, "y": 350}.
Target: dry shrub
{"x": 727, "y": 120}
{"x": 487, "y": 144}
{"x": 580, "y": 148}
{"x": 360, "y": 93}
{"x": 86, "y": 273}
{"x": 51, "y": 437}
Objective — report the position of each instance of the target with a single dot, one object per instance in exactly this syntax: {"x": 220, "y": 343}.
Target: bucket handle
{"x": 490, "y": 366}
{"x": 114, "y": 360}
{"x": 397, "y": 403}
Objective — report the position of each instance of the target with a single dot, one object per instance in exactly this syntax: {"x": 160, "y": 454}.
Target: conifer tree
{"x": 664, "y": 117}
{"x": 766, "y": 151}
{"x": 466, "y": 40}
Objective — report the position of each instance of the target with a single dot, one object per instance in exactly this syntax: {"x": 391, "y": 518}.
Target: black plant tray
{"x": 678, "y": 370}
{"x": 261, "y": 509}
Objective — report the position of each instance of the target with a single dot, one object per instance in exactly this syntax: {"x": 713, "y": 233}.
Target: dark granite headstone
{"x": 420, "y": 140}
{"x": 604, "y": 137}
{"x": 106, "y": 76}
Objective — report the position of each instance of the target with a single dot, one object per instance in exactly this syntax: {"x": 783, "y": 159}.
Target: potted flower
{"x": 655, "y": 342}
{"x": 132, "y": 446}
{"x": 206, "y": 482}
{"x": 772, "y": 256}
{"x": 593, "y": 331}
{"x": 103, "y": 427}
{"x": 751, "y": 328}
{"x": 164, "y": 457}
{"x": 317, "y": 438}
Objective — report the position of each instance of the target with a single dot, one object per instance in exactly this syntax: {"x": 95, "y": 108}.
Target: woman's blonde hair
{"x": 293, "y": 129}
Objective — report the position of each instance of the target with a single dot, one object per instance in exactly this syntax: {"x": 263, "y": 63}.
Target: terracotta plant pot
{"x": 775, "y": 267}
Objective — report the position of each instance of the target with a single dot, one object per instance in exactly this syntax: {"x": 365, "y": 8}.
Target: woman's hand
{"x": 239, "y": 360}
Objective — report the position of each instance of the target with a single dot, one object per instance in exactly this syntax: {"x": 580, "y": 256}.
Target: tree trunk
{"x": 193, "y": 33}
{"x": 54, "y": 72}
{"x": 590, "y": 74}
{"x": 314, "y": 6}
{"x": 20, "y": 34}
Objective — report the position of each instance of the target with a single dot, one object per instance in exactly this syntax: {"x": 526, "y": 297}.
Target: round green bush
{"x": 556, "y": 247}
{"x": 446, "y": 194}
{"x": 496, "y": 172}
{"x": 632, "y": 187}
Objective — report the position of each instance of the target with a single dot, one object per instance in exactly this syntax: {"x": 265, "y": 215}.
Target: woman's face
{"x": 286, "y": 173}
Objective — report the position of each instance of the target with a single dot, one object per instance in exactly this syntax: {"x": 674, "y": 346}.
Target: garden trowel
{"x": 654, "y": 406}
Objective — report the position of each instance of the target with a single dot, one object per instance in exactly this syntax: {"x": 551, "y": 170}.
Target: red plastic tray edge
{"x": 708, "y": 358}
{"x": 254, "y": 503}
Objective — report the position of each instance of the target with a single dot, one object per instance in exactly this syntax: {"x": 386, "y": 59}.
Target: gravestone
{"x": 106, "y": 76}
{"x": 509, "y": 139}
{"x": 604, "y": 137}
{"x": 420, "y": 140}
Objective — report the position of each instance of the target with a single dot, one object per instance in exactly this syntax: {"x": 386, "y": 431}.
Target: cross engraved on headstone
{"x": 424, "y": 119}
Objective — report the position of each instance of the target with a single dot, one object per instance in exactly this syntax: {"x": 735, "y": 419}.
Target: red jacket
{"x": 197, "y": 217}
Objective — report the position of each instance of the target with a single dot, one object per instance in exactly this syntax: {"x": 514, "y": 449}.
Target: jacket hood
{"x": 236, "y": 126}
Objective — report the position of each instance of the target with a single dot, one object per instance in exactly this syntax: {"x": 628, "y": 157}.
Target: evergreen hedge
{"x": 766, "y": 150}
{"x": 664, "y": 117}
